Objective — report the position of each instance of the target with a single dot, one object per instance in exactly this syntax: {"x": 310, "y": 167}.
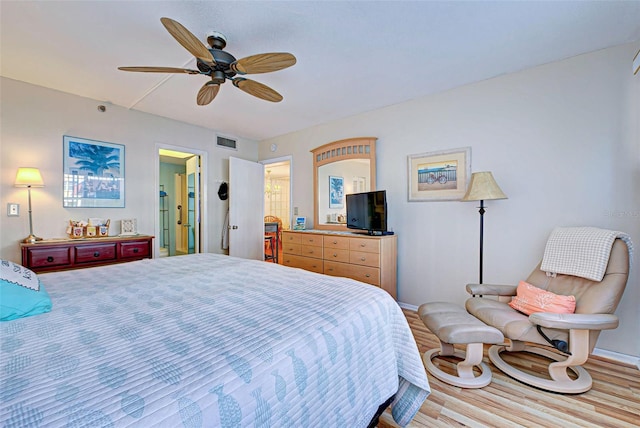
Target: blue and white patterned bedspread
{"x": 208, "y": 340}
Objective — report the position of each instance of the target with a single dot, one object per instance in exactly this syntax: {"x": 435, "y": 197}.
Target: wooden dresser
{"x": 54, "y": 255}
{"x": 370, "y": 259}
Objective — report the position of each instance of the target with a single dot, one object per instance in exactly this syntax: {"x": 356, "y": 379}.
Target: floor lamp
{"x": 482, "y": 188}
{"x": 29, "y": 177}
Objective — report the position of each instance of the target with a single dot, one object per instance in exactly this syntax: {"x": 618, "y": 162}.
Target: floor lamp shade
{"x": 29, "y": 177}
{"x": 482, "y": 187}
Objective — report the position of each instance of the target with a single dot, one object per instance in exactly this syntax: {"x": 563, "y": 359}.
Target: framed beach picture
{"x": 336, "y": 192}
{"x": 93, "y": 174}
{"x": 300, "y": 223}
{"x": 439, "y": 176}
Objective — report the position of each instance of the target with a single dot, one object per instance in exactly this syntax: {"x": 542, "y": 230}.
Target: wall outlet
{"x": 13, "y": 210}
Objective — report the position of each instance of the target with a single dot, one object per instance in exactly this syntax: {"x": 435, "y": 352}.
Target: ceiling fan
{"x": 221, "y": 65}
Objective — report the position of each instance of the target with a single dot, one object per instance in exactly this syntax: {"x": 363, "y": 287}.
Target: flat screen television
{"x": 368, "y": 211}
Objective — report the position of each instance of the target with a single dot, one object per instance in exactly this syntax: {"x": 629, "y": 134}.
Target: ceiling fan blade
{"x": 263, "y": 63}
{"x": 257, "y": 89}
{"x": 207, "y": 93}
{"x": 188, "y": 40}
{"x": 159, "y": 70}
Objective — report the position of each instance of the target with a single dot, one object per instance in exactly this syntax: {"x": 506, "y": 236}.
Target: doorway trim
{"x": 204, "y": 242}
{"x": 288, "y": 158}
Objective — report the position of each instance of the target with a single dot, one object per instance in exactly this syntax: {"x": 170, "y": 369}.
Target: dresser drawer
{"x": 291, "y": 248}
{"x": 48, "y": 257}
{"x": 306, "y": 263}
{"x": 364, "y": 258}
{"x": 336, "y": 269}
{"x": 134, "y": 250}
{"x": 370, "y": 275}
{"x": 95, "y": 253}
{"x": 311, "y": 240}
{"x": 336, "y": 255}
{"x": 366, "y": 245}
{"x": 291, "y": 238}
{"x": 336, "y": 242}
{"x": 311, "y": 251}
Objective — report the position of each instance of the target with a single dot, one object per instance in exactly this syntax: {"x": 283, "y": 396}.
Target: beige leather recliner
{"x": 595, "y": 305}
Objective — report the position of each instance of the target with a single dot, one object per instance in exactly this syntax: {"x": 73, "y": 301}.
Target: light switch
{"x": 13, "y": 210}
{"x": 295, "y": 210}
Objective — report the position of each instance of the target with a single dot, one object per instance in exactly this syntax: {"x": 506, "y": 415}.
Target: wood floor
{"x": 614, "y": 400}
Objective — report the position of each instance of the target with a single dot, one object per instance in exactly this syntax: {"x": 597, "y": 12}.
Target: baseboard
{"x": 408, "y": 306}
{"x": 610, "y": 355}
{"x": 616, "y": 356}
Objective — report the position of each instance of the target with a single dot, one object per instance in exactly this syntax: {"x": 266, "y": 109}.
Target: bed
{"x": 208, "y": 340}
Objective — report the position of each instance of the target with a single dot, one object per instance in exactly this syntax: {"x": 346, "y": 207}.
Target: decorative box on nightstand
{"x": 64, "y": 254}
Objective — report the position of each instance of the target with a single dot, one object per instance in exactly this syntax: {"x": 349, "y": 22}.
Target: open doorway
{"x": 181, "y": 181}
{"x": 277, "y": 196}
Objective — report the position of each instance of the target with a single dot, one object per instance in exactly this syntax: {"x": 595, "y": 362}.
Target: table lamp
{"x": 29, "y": 177}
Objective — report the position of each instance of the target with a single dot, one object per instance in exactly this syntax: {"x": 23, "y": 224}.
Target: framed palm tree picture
{"x": 93, "y": 174}
{"x": 336, "y": 192}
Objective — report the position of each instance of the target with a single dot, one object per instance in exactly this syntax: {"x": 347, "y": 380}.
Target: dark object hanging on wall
{"x": 223, "y": 191}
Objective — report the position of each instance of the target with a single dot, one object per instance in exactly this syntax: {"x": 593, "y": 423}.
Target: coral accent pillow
{"x": 530, "y": 299}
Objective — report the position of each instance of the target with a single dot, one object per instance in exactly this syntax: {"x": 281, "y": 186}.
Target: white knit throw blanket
{"x": 581, "y": 251}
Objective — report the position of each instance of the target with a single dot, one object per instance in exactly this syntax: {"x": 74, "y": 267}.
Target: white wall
{"x": 34, "y": 119}
{"x": 562, "y": 141}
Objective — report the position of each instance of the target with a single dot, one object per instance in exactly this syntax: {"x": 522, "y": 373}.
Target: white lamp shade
{"x": 29, "y": 177}
{"x": 483, "y": 187}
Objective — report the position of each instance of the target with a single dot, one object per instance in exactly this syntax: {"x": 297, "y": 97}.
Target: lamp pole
{"x": 481, "y": 211}
{"x": 31, "y": 238}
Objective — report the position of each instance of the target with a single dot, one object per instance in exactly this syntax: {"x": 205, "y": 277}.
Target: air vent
{"x": 227, "y": 143}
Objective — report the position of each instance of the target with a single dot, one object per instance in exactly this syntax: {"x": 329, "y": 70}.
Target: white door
{"x": 193, "y": 205}
{"x": 246, "y": 209}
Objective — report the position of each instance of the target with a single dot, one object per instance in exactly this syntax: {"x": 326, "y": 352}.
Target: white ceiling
{"x": 352, "y": 56}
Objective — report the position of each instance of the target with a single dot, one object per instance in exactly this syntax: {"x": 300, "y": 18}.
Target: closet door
{"x": 246, "y": 209}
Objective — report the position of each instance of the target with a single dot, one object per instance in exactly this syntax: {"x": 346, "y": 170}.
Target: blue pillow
{"x": 21, "y": 293}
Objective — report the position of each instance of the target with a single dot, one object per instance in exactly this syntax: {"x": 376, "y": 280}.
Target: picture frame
{"x": 336, "y": 192}
{"x": 300, "y": 223}
{"x": 439, "y": 176}
{"x": 128, "y": 227}
{"x": 93, "y": 173}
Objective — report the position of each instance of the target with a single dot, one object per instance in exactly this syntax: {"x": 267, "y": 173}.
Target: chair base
{"x": 465, "y": 378}
{"x": 562, "y": 384}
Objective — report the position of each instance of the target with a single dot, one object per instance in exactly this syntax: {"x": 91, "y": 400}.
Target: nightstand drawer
{"x": 94, "y": 253}
{"x": 134, "y": 249}
{"x": 46, "y": 257}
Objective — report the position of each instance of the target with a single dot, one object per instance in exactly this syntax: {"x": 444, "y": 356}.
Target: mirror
{"x": 340, "y": 168}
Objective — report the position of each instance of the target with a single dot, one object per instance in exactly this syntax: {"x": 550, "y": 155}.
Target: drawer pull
{"x": 335, "y": 255}
{"x": 49, "y": 259}
{"x": 363, "y": 258}
{"x": 135, "y": 250}
{"x": 368, "y": 275}
{"x": 335, "y": 242}
{"x": 96, "y": 254}
{"x": 363, "y": 245}
{"x": 330, "y": 269}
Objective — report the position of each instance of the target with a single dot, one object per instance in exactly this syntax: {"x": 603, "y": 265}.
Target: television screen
{"x": 367, "y": 211}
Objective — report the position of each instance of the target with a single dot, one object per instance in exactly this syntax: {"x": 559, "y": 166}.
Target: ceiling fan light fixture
{"x": 216, "y": 40}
